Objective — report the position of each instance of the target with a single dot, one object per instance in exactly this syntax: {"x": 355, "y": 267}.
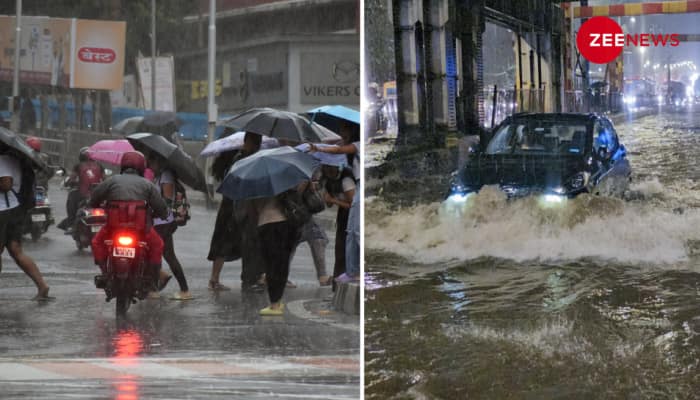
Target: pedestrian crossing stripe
{"x": 176, "y": 368}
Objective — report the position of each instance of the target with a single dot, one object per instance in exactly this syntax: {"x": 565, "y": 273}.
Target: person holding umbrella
{"x": 269, "y": 180}
{"x": 351, "y": 147}
{"x": 235, "y": 229}
{"x": 340, "y": 190}
{"x": 165, "y": 180}
{"x": 12, "y": 213}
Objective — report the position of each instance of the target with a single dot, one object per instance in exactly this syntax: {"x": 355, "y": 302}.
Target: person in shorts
{"x": 12, "y": 215}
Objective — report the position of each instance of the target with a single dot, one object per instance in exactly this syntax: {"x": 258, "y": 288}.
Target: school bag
{"x": 181, "y": 205}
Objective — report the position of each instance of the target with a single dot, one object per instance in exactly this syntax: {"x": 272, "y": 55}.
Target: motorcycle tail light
{"x": 98, "y": 212}
{"x": 125, "y": 240}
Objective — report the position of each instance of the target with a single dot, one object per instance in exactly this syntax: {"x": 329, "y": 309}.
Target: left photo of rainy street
{"x": 179, "y": 199}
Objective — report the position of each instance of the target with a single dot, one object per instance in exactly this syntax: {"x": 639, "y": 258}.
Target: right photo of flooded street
{"x": 532, "y": 204}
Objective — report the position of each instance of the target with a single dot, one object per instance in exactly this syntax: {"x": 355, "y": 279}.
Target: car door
{"x": 615, "y": 168}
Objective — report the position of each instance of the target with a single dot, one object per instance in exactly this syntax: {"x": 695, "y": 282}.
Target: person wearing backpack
{"x": 340, "y": 190}
{"x": 16, "y": 197}
{"x": 167, "y": 182}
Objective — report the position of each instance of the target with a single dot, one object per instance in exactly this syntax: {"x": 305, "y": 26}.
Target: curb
{"x": 347, "y": 298}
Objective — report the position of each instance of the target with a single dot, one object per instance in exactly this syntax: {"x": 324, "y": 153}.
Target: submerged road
{"x": 215, "y": 346}
{"x": 595, "y": 299}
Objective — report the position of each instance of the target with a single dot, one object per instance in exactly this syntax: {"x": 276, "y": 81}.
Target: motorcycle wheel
{"x": 36, "y": 234}
{"x": 123, "y": 303}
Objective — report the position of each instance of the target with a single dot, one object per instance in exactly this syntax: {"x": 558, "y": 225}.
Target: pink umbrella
{"x": 110, "y": 151}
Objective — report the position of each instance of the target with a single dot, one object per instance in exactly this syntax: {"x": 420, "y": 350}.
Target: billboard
{"x": 165, "y": 86}
{"x": 97, "y": 51}
{"x": 64, "y": 52}
{"x": 330, "y": 78}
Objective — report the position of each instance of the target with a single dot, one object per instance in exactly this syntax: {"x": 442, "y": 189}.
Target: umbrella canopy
{"x": 163, "y": 123}
{"x": 339, "y": 112}
{"x": 128, "y": 126}
{"x": 336, "y": 160}
{"x": 109, "y": 151}
{"x": 162, "y": 118}
{"x": 20, "y": 148}
{"x": 281, "y": 125}
{"x": 234, "y": 142}
{"x": 332, "y": 117}
{"x": 177, "y": 160}
{"x": 267, "y": 173}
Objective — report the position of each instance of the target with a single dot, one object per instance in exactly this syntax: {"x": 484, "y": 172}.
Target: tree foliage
{"x": 379, "y": 41}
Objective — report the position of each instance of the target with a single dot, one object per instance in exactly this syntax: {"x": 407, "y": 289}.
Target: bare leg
{"x": 216, "y": 268}
{"x": 29, "y": 267}
{"x": 318, "y": 253}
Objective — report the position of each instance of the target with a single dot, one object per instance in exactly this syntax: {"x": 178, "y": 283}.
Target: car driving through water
{"x": 556, "y": 156}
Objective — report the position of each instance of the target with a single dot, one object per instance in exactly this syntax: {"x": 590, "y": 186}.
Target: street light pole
{"x": 15, "y": 75}
{"x": 211, "y": 105}
{"x": 153, "y": 55}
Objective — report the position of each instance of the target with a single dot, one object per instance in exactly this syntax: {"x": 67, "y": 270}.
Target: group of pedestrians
{"x": 256, "y": 231}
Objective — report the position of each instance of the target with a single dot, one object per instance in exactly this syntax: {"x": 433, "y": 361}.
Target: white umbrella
{"x": 234, "y": 142}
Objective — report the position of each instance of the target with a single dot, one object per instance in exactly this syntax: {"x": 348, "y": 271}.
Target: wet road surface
{"x": 215, "y": 346}
{"x": 596, "y": 299}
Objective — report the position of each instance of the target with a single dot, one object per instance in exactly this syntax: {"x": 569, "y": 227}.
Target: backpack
{"x": 181, "y": 206}
{"x": 27, "y": 195}
{"x": 294, "y": 208}
{"x": 313, "y": 200}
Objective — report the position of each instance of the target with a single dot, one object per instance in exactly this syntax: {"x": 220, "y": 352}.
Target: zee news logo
{"x": 600, "y": 40}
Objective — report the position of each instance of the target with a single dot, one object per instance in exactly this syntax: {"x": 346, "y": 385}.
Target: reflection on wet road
{"x": 215, "y": 346}
{"x": 596, "y": 299}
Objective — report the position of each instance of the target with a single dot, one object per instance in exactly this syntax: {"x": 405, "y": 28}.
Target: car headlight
{"x": 553, "y": 198}
{"x": 630, "y": 100}
{"x": 458, "y": 197}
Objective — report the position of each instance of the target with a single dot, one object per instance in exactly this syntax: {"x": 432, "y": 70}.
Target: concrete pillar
{"x": 470, "y": 27}
{"x": 405, "y": 15}
{"x": 439, "y": 14}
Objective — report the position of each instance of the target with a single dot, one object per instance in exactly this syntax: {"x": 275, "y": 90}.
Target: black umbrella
{"x": 179, "y": 161}
{"x": 267, "y": 173}
{"x": 20, "y": 148}
{"x": 163, "y": 123}
{"x": 281, "y": 125}
{"x": 162, "y": 118}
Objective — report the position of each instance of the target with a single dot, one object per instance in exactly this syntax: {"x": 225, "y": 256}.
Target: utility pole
{"x": 211, "y": 104}
{"x": 15, "y": 77}
{"x": 153, "y": 55}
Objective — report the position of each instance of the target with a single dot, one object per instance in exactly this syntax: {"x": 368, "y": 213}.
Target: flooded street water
{"x": 598, "y": 298}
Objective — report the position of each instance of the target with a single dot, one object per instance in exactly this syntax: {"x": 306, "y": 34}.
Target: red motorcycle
{"x": 127, "y": 278}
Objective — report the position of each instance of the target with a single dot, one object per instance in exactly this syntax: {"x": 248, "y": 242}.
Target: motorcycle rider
{"x": 42, "y": 177}
{"x": 130, "y": 185}
{"x": 85, "y": 174}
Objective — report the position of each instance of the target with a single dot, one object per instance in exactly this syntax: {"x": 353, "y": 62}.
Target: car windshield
{"x": 539, "y": 137}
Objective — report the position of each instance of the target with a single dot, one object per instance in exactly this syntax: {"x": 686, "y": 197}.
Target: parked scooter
{"x": 39, "y": 218}
{"x": 88, "y": 222}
